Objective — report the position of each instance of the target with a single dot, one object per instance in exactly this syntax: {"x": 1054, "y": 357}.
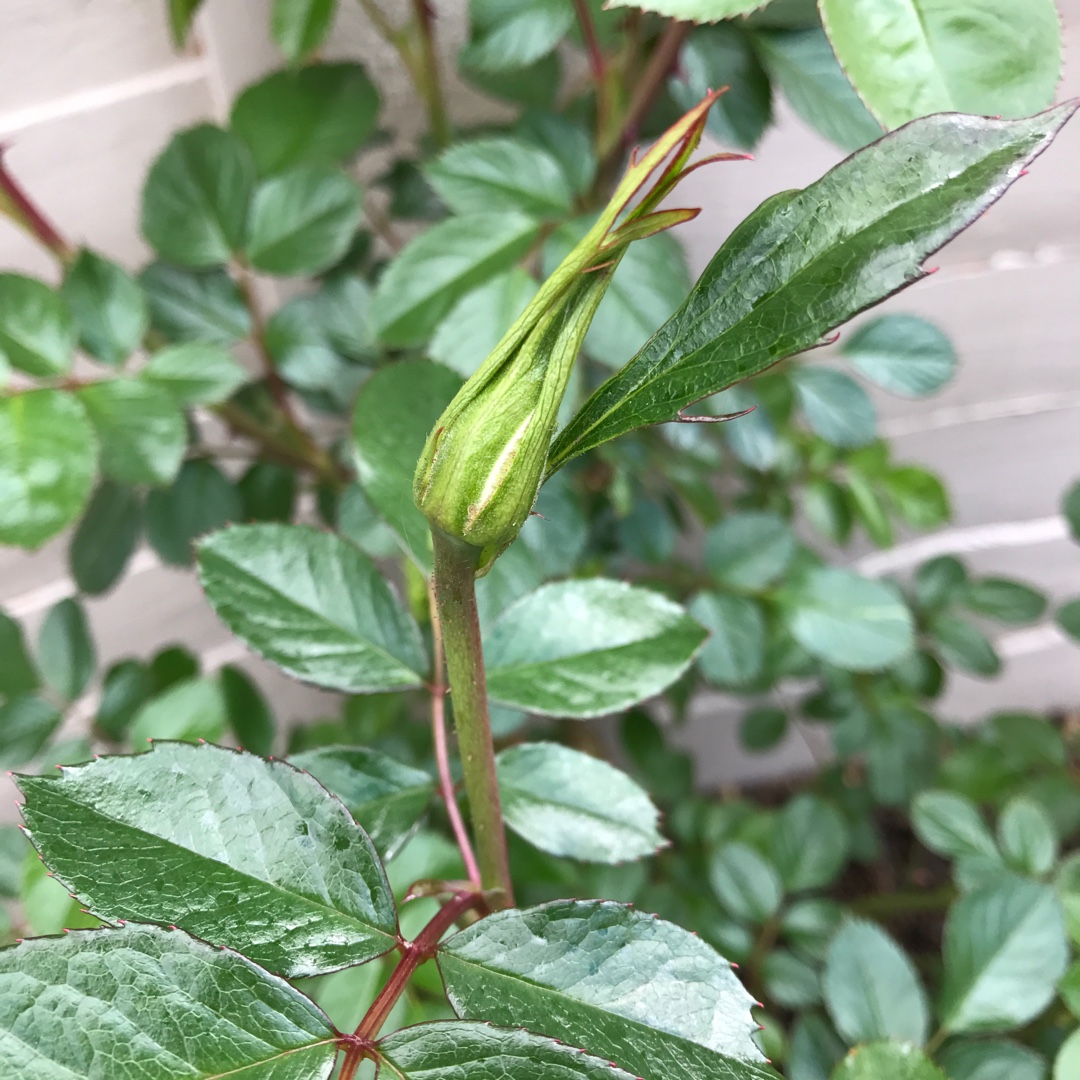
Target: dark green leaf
{"x": 872, "y": 990}
{"x": 242, "y": 852}
{"x": 919, "y": 496}
{"x": 939, "y": 581}
{"x": 500, "y": 173}
{"x": 195, "y": 374}
{"x": 748, "y": 308}
{"x": 745, "y": 882}
{"x": 1070, "y": 506}
{"x": 762, "y": 729}
{"x": 811, "y": 843}
{"x": 48, "y": 459}
{"x": 432, "y": 272}
{"x": 386, "y": 797}
{"x": 249, "y": 715}
{"x": 717, "y": 56}
{"x": 105, "y": 537}
{"x": 173, "y": 665}
{"x": 586, "y": 648}
{"x": 268, "y": 492}
{"x": 190, "y": 306}
{"x": 951, "y": 825}
{"x": 13, "y": 853}
{"x": 964, "y": 646}
{"x": 902, "y": 353}
{"x": 312, "y": 604}
{"x": 535, "y": 85}
{"x": 190, "y": 710}
{"x": 887, "y": 1061}
{"x": 394, "y": 414}
{"x": 300, "y": 26}
{"x": 1005, "y": 600}
{"x": 749, "y": 550}
{"x": 597, "y": 974}
{"x": 1027, "y": 837}
{"x": 140, "y": 428}
{"x": 566, "y": 140}
{"x": 109, "y": 307}
{"x": 1068, "y": 618}
{"x": 319, "y": 115}
{"x": 25, "y": 726}
{"x": 991, "y": 1059}
{"x": 837, "y": 408}
{"x": 477, "y": 322}
{"x": 477, "y": 1051}
{"x": 196, "y": 198}
{"x": 827, "y": 509}
{"x": 200, "y": 499}
{"x": 913, "y": 57}
{"x": 37, "y": 334}
{"x": 801, "y": 63}
{"x": 850, "y": 621}
{"x": 303, "y": 220}
{"x": 125, "y": 688}
{"x": 66, "y": 650}
{"x": 576, "y": 806}
{"x": 811, "y": 924}
{"x": 814, "y": 1049}
{"x": 508, "y": 35}
{"x": 869, "y": 509}
{"x": 17, "y": 672}
{"x": 153, "y": 1003}
{"x": 734, "y": 655}
{"x": 1005, "y": 950}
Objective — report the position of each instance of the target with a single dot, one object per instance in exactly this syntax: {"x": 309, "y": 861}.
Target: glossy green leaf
{"x": 196, "y": 198}
{"x": 586, "y": 648}
{"x": 908, "y": 58}
{"x": 300, "y": 26}
{"x": 248, "y": 713}
{"x": 509, "y": 34}
{"x": 431, "y": 273}
{"x": 186, "y": 305}
{"x": 312, "y": 604}
{"x": 48, "y": 458}
{"x": 964, "y": 646}
{"x": 105, "y": 538}
{"x": 1067, "y": 1061}
{"x": 762, "y": 729}
{"x": 500, "y": 173}
{"x": 152, "y": 1003}
{"x": 394, "y": 414}
{"x": 195, "y": 374}
{"x": 65, "y": 651}
{"x": 478, "y": 1051}
{"x": 745, "y": 882}
{"x": 951, "y": 825}
{"x": 17, "y": 672}
{"x": 802, "y": 65}
{"x": 319, "y": 115}
{"x": 991, "y": 1059}
{"x": 1005, "y": 600}
{"x": 125, "y": 688}
{"x": 1027, "y": 836}
{"x": 477, "y": 322}
{"x": 734, "y": 655}
{"x": 37, "y": 333}
{"x": 903, "y": 354}
{"x": 887, "y": 1061}
{"x": 749, "y": 550}
{"x": 236, "y": 850}
{"x": 576, "y": 806}
{"x": 599, "y": 974}
{"x": 836, "y": 407}
{"x": 303, "y": 220}
{"x": 200, "y": 499}
{"x": 872, "y": 990}
{"x": 850, "y": 621}
{"x": 190, "y": 710}
{"x": 718, "y": 56}
{"x": 110, "y": 309}
{"x": 140, "y": 428}
{"x": 386, "y": 797}
{"x": 701, "y": 11}
{"x": 26, "y": 723}
{"x": 811, "y": 843}
{"x": 748, "y": 308}
{"x": 650, "y": 282}
{"x": 1005, "y": 950}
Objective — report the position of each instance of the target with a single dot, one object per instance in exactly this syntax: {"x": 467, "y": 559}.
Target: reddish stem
{"x": 592, "y": 41}
{"x": 29, "y": 216}
{"x": 442, "y": 753}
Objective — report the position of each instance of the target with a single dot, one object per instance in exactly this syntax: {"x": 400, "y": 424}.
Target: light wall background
{"x": 90, "y": 90}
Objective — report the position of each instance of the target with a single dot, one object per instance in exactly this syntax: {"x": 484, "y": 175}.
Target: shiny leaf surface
{"x": 37, "y": 334}
{"x": 109, "y": 307}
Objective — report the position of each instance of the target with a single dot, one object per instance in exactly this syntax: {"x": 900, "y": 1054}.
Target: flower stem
{"x": 455, "y": 593}
{"x": 426, "y": 75}
{"x": 17, "y": 205}
{"x": 442, "y": 753}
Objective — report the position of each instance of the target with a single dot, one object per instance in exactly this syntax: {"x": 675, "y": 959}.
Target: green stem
{"x": 455, "y": 592}
{"x": 426, "y": 73}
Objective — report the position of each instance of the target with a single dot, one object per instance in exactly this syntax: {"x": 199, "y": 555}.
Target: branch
{"x": 17, "y": 205}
